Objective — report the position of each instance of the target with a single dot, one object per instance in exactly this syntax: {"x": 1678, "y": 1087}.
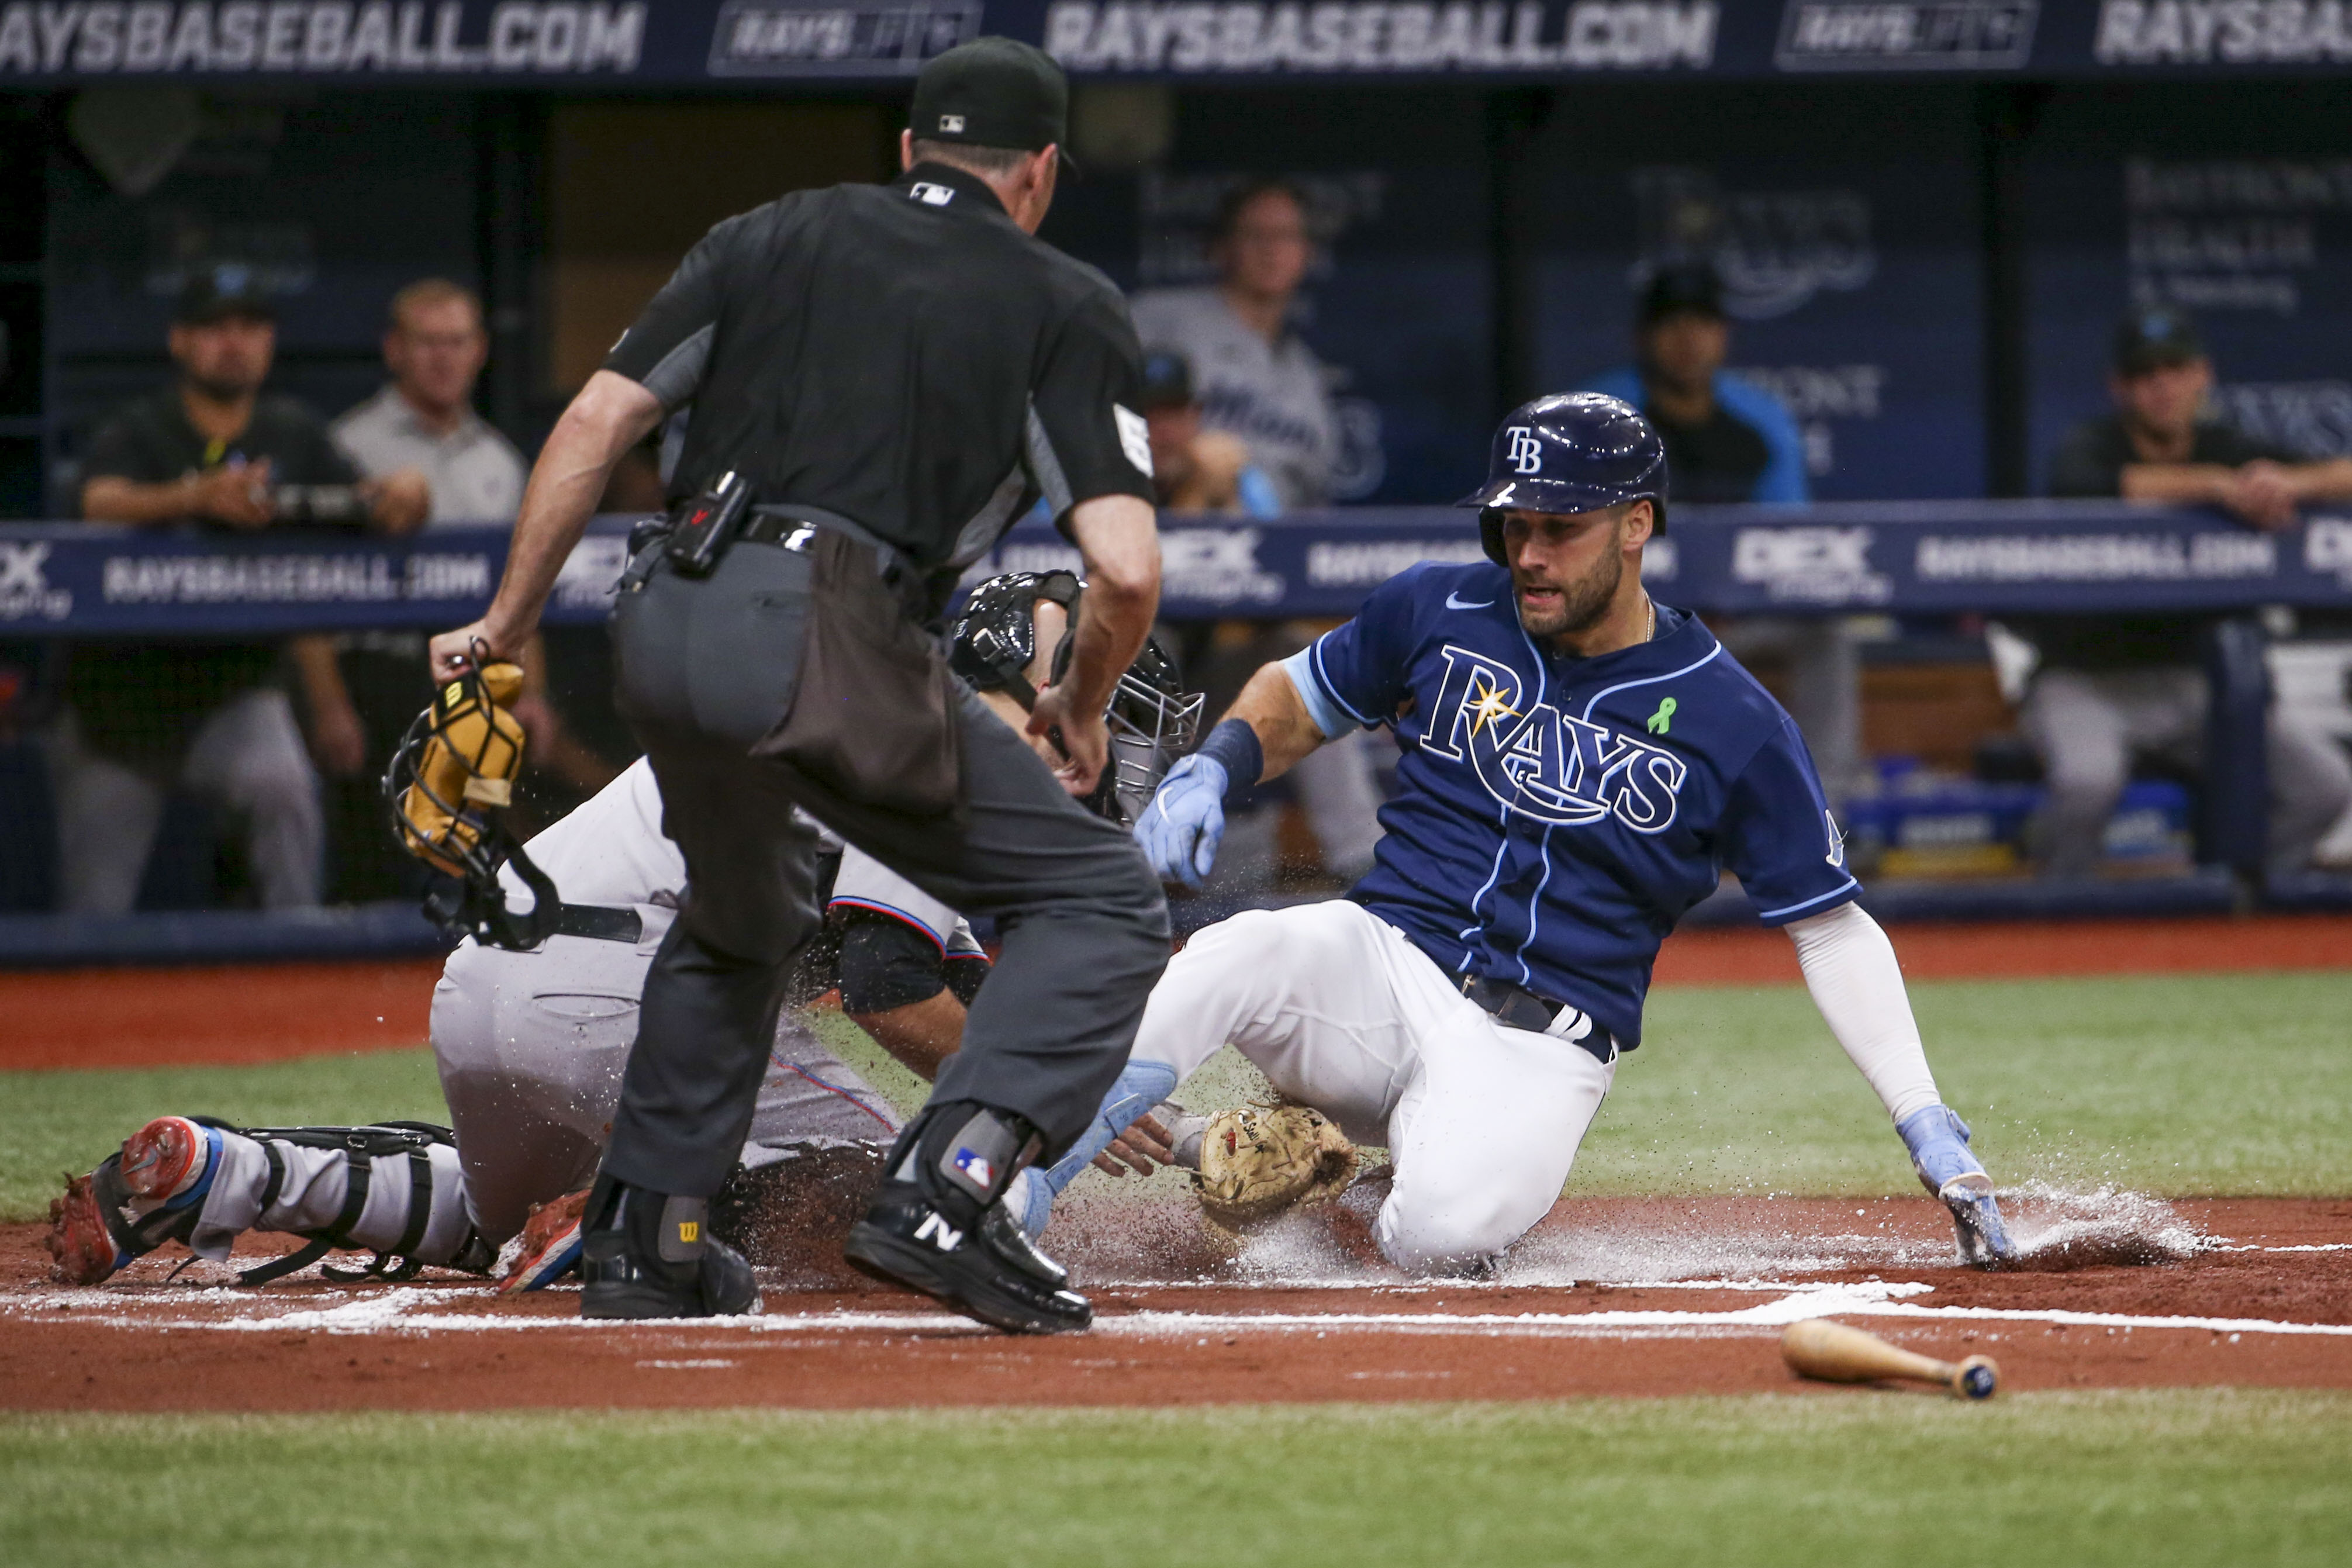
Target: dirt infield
{"x": 1622, "y": 1296}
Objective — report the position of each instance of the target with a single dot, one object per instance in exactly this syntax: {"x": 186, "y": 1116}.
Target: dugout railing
{"x": 71, "y": 585}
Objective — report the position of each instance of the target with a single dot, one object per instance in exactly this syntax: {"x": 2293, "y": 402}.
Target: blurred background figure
{"x": 1194, "y": 468}
{"x": 1729, "y": 440}
{"x": 2108, "y": 690}
{"x": 1726, "y": 441}
{"x": 434, "y": 347}
{"x": 210, "y": 720}
{"x": 361, "y": 690}
{"x": 1255, "y": 377}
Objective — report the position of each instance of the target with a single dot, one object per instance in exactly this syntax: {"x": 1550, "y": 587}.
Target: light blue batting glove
{"x": 1938, "y": 1142}
{"x": 1180, "y": 829}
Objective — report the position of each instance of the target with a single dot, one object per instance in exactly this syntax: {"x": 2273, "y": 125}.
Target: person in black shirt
{"x": 1729, "y": 440}
{"x": 211, "y": 450}
{"x": 897, "y": 373}
{"x": 2108, "y": 687}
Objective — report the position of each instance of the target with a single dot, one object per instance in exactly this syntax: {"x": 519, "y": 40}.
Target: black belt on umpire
{"x": 1519, "y": 1008}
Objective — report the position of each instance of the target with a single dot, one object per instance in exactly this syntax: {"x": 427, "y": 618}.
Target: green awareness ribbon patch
{"x": 1662, "y": 717}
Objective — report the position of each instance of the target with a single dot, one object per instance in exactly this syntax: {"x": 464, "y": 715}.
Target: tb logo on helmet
{"x": 1526, "y": 453}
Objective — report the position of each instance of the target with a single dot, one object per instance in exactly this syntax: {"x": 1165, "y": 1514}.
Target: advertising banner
{"x": 1852, "y": 282}
{"x": 567, "y": 44}
{"x": 2244, "y": 225}
{"x": 66, "y": 580}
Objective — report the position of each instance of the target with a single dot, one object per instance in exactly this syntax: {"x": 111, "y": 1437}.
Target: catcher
{"x": 536, "y": 1010}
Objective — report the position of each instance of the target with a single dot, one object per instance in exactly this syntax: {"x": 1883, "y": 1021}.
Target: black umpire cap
{"x": 992, "y": 92}
{"x": 220, "y": 294}
{"x": 2153, "y": 338}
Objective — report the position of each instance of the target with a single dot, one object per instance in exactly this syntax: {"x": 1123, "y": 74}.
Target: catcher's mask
{"x": 447, "y": 788}
{"x": 1153, "y": 719}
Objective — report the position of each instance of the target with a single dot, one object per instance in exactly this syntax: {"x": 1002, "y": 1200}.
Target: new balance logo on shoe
{"x": 939, "y": 1233}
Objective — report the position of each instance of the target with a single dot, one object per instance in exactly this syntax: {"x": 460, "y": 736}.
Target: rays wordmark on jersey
{"x": 1544, "y": 763}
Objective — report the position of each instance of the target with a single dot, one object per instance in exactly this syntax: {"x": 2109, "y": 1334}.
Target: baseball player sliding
{"x": 530, "y": 1044}
{"x": 1580, "y": 765}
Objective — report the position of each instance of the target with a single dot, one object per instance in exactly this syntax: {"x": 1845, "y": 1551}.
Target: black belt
{"x": 1519, "y": 1008}
{"x": 600, "y": 922}
{"x": 778, "y": 524}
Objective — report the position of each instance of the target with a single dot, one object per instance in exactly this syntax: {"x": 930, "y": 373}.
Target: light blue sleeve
{"x": 1258, "y": 494}
{"x": 1783, "y": 480}
{"x": 1328, "y": 716}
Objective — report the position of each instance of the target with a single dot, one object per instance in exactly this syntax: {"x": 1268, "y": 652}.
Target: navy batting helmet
{"x": 1570, "y": 452}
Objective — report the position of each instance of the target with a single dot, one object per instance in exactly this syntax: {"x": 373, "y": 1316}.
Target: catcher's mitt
{"x": 1259, "y": 1160}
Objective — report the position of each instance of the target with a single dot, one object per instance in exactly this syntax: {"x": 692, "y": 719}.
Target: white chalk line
{"x": 398, "y": 1313}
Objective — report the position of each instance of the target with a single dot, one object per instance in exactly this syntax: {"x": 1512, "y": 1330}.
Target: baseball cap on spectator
{"x": 2151, "y": 338}
{"x": 1167, "y": 380}
{"x": 220, "y": 294}
{"x": 1674, "y": 290}
{"x": 992, "y": 92}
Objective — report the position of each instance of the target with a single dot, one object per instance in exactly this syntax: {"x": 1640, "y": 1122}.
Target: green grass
{"x": 2173, "y": 1085}
{"x": 2173, "y": 1476}
{"x": 54, "y": 1121}
{"x": 2176, "y": 1085}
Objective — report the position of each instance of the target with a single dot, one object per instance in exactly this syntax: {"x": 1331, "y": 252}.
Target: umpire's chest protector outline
{"x": 1557, "y": 816}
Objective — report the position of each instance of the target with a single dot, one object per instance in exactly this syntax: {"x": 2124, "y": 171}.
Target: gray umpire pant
{"x": 707, "y": 668}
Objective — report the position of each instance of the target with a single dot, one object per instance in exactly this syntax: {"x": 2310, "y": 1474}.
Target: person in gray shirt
{"x": 360, "y": 690}
{"x": 423, "y": 417}
{"x": 1256, "y": 378}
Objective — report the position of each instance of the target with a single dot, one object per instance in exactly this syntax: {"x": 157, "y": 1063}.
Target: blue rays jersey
{"x": 1559, "y": 815}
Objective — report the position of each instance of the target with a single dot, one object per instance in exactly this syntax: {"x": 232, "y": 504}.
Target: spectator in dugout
{"x": 361, "y": 690}
{"x": 1729, "y": 440}
{"x": 2110, "y": 690}
{"x": 1257, "y": 382}
{"x": 209, "y": 452}
{"x": 1256, "y": 378}
{"x": 1194, "y": 468}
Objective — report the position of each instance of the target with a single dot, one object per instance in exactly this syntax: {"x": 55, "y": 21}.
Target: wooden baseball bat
{"x": 1835, "y": 1353}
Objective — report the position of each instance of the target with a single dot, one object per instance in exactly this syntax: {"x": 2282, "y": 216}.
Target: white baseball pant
{"x": 1342, "y": 1013}
{"x": 530, "y": 1048}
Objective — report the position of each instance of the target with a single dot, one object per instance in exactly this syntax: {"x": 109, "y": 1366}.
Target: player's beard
{"x": 1581, "y": 603}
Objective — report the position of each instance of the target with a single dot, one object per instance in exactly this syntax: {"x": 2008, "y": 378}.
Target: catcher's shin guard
{"x": 650, "y": 1255}
{"x": 937, "y": 1224}
{"x": 201, "y": 1182}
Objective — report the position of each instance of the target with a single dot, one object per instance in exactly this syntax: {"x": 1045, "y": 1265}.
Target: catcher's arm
{"x": 610, "y": 415}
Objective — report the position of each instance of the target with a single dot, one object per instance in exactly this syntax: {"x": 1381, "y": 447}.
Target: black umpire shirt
{"x": 139, "y": 703}
{"x": 902, "y": 354}
{"x": 2090, "y": 463}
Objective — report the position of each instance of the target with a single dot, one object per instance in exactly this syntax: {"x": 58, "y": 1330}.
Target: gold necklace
{"x": 1651, "y": 630}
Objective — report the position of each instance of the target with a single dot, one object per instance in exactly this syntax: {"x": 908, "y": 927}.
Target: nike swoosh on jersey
{"x": 1453, "y": 604}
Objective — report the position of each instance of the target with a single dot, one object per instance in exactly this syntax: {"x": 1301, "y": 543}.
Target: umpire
{"x": 883, "y": 378}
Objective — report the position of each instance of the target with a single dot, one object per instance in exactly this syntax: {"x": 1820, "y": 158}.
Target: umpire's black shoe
{"x": 987, "y": 1270}
{"x": 653, "y": 1257}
